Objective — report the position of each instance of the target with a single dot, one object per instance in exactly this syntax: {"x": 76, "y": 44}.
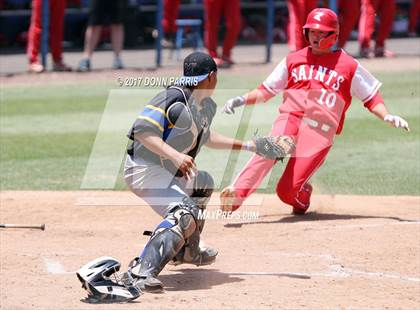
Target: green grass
{"x": 47, "y": 134}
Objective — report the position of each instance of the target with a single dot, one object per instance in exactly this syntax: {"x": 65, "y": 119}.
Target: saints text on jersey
{"x": 320, "y": 73}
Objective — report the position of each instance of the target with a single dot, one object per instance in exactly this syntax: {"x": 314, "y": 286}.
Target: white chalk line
{"x": 347, "y": 272}
{"x": 55, "y": 267}
{"x": 334, "y": 270}
{"x": 357, "y": 226}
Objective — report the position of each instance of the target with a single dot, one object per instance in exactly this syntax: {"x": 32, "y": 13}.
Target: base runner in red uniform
{"x": 318, "y": 84}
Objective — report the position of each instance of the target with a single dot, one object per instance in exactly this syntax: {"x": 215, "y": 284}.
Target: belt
{"x": 316, "y": 124}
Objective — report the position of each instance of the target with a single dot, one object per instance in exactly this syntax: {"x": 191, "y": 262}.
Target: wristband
{"x": 248, "y": 146}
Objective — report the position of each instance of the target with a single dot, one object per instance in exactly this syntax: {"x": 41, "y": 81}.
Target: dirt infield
{"x": 347, "y": 252}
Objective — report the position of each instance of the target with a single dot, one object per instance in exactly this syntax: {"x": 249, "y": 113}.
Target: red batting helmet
{"x": 324, "y": 20}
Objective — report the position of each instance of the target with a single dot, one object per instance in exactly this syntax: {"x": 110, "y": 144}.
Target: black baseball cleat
{"x": 207, "y": 257}
{"x": 298, "y": 211}
{"x": 150, "y": 284}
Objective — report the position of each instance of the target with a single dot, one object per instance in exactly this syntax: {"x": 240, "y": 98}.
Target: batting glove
{"x": 396, "y": 121}
{"x": 231, "y": 104}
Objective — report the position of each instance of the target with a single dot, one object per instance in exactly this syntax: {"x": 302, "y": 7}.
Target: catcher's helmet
{"x": 95, "y": 278}
{"x": 324, "y": 20}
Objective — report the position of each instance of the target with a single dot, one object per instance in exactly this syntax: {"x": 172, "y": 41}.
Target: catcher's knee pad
{"x": 203, "y": 185}
{"x": 186, "y": 223}
{"x": 167, "y": 239}
{"x": 182, "y": 219}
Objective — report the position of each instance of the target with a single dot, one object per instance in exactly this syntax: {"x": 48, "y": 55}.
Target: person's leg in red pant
{"x": 57, "y": 8}
{"x": 309, "y": 6}
{"x": 232, "y": 15}
{"x": 312, "y": 147}
{"x": 170, "y": 14}
{"x": 293, "y": 187}
{"x": 414, "y": 15}
{"x": 298, "y": 11}
{"x": 256, "y": 169}
{"x": 386, "y": 9}
{"x": 297, "y": 17}
{"x": 213, "y": 12}
{"x": 34, "y": 37}
{"x": 349, "y": 13}
{"x": 366, "y": 26}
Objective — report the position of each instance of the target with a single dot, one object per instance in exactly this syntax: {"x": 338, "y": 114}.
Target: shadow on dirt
{"x": 314, "y": 216}
{"x": 196, "y": 279}
{"x": 90, "y": 300}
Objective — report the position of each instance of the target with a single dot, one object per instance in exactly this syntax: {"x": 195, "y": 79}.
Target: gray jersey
{"x": 154, "y": 118}
{"x": 154, "y": 179}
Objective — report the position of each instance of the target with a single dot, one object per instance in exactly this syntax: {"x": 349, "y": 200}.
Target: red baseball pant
{"x": 312, "y": 147}
{"x": 170, "y": 15}
{"x": 414, "y": 15}
{"x": 214, "y": 9}
{"x": 298, "y": 11}
{"x": 56, "y": 30}
{"x": 349, "y": 14}
{"x": 386, "y": 10}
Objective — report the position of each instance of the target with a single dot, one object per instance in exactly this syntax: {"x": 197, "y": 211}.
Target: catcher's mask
{"x": 96, "y": 280}
{"x": 324, "y": 20}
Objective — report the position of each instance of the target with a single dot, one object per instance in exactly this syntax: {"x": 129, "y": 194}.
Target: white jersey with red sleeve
{"x": 321, "y": 87}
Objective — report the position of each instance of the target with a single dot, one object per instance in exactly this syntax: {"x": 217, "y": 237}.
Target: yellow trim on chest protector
{"x": 152, "y": 121}
{"x": 152, "y": 107}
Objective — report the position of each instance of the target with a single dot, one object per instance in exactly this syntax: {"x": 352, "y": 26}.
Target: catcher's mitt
{"x": 275, "y": 148}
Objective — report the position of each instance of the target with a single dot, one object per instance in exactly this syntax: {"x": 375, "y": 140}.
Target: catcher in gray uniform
{"x": 160, "y": 168}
